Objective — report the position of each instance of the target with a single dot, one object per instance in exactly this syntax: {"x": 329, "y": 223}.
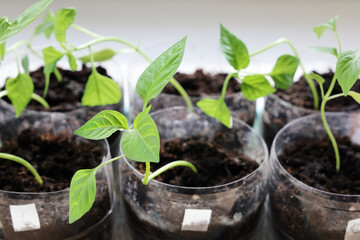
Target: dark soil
{"x": 200, "y": 83}
{"x": 299, "y": 94}
{"x": 216, "y": 164}
{"x": 62, "y": 96}
{"x": 56, "y": 158}
{"x": 313, "y": 163}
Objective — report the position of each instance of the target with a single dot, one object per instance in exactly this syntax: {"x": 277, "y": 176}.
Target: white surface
{"x": 196, "y": 220}
{"x": 24, "y": 217}
{"x": 353, "y": 230}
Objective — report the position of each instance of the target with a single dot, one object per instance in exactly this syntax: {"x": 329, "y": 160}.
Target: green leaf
{"x": 102, "y": 125}
{"x": 160, "y": 71}
{"x": 319, "y": 79}
{"x": 82, "y": 193}
{"x": 284, "y": 71}
{"x": 347, "y": 70}
{"x": 2, "y": 51}
{"x": 47, "y": 26}
{"x": 25, "y": 64}
{"x": 100, "y": 56}
{"x": 331, "y": 24}
{"x": 142, "y": 143}
{"x": 8, "y": 29}
{"x": 234, "y": 49}
{"x": 355, "y": 96}
{"x": 100, "y": 90}
{"x": 255, "y": 86}
{"x": 19, "y": 91}
{"x": 330, "y": 50}
{"x": 51, "y": 57}
{"x": 72, "y": 61}
{"x": 216, "y": 108}
{"x": 62, "y": 21}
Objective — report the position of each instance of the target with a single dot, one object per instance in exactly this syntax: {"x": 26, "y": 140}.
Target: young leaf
{"x": 100, "y": 90}
{"x": 72, "y": 61}
{"x": 51, "y": 57}
{"x": 331, "y": 24}
{"x": 25, "y": 64}
{"x": 62, "y": 21}
{"x": 216, "y": 109}
{"x": 355, "y": 96}
{"x": 8, "y": 29}
{"x": 319, "y": 79}
{"x": 19, "y": 91}
{"x": 47, "y": 26}
{"x": 255, "y": 86}
{"x": 284, "y": 71}
{"x": 160, "y": 71}
{"x": 82, "y": 193}
{"x": 234, "y": 49}
{"x": 330, "y": 50}
{"x": 347, "y": 70}
{"x": 100, "y": 56}
{"x": 102, "y": 125}
{"x": 142, "y": 143}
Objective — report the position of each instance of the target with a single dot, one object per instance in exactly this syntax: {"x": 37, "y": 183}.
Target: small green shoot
{"x": 140, "y": 143}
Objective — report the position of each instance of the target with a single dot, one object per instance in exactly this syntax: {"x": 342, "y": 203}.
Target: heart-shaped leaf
{"x": 72, "y": 61}
{"x": 331, "y": 24}
{"x": 160, "y": 71}
{"x": 142, "y": 143}
{"x": 25, "y": 64}
{"x": 216, "y": 108}
{"x": 51, "y": 57}
{"x": 82, "y": 193}
{"x": 47, "y": 26}
{"x": 20, "y": 90}
{"x": 255, "y": 86}
{"x": 234, "y": 49}
{"x": 100, "y": 56}
{"x": 102, "y": 125}
{"x": 347, "y": 70}
{"x": 284, "y": 71}
{"x": 62, "y": 21}
{"x": 100, "y": 90}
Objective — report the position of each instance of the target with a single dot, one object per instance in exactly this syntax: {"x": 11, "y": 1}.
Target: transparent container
{"x": 302, "y": 212}
{"x": 45, "y": 215}
{"x": 233, "y": 210}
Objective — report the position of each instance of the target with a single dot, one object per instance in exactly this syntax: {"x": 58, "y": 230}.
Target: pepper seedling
{"x": 253, "y": 86}
{"x": 99, "y": 90}
{"x": 346, "y": 74}
{"x": 141, "y": 142}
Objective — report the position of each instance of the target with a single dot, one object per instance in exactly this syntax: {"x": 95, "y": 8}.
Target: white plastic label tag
{"x": 24, "y": 217}
{"x": 196, "y": 220}
{"x": 353, "y": 230}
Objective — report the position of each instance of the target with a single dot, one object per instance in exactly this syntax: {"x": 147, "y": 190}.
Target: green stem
{"x": 338, "y": 40}
{"x": 17, "y": 61}
{"x": 307, "y": 78}
{"x": 225, "y": 85}
{"x": 331, "y": 136}
{"x": 331, "y": 87}
{"x": 16, "y": 45}
{"x": 109, "y": 161}
{"x": 169, "y": 166}
{"x": 3, "y": 93}
{"x": 335, "y": 96}
{"x": 92, "y": 59}
{"x": 183, "y": 94}
{"x": 40, "y": 100}
{"x": 25, "y": 164}
{"x": 145, "y": 181}
{"x": 86, "y": 31}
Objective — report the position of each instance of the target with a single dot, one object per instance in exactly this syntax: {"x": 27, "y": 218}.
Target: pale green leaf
{"x": 255, "y": 86}
{"x": 72, "y": 61}
{"x": 51, "y": 57}
{"x": 25, "y": 64}
{"x": 347, "y": 70}
{"x": 355, "y": 96}
{"x": 100, "y": 90}
{"x": 47, "y": 26}
{"x": 102, "y": 125}
{"x": 20, "y": 90}
{"x": 62, "y": 21}
{"x": 8, "y": 29}
{"x": 234, "y": 49}
{"x": 331, "y": 24}
{"x": 284, "y": 71}
{"x": 82, "y": 193}
{"x": 159, "y": 73}
{"x": 216, "y": 108}
{"x": 142, "y": 143}
{"x": 100, "y": 56}
{"x": 329, "y": 50}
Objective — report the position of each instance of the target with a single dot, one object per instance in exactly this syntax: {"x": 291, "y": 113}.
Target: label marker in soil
{"x": 24, "y": 217}
{"x": 196, "y": 220}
